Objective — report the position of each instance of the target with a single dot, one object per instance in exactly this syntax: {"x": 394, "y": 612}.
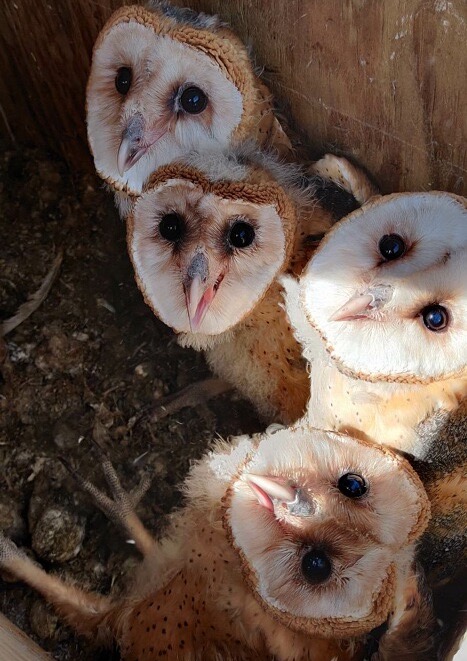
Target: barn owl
{"x": 289, "y": 547}
{"x": 208, "y": 238}
{"x": 381, "y": 311}
{"x": 166, "y": 80}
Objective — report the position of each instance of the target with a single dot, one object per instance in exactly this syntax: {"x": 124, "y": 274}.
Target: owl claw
{"x": 120, "y": 508}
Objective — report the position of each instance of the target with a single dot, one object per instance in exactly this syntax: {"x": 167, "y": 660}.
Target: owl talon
{"x": 121, "y": 507}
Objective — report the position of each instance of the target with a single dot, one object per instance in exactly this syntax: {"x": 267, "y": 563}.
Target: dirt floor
{"x": 88, "y": 363}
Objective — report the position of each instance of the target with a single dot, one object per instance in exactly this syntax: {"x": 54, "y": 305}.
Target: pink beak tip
{"x": 266, "y": 489}
{"x": 356, "y": 307}
{"x": 198, "y": 302}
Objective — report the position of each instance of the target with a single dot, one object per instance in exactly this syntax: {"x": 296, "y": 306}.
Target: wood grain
{"x": 16, "y": 646}
{"x": 384, "y": 82}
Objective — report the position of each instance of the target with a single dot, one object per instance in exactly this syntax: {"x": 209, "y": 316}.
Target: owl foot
{"x": 121, "y": 507}
{"x": 82, "y": 609}
{"x": 193, "y": 395}
{"x": 10, "y": 554}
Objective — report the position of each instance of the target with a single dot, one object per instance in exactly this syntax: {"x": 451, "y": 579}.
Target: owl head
{"x": 208, "y": 236}
{"x": 387, "y": 289}
{"x": 162, "y": 82}
{"x": 312, "y": 517}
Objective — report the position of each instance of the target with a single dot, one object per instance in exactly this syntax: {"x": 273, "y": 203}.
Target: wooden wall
{"x": 384, "y": 81}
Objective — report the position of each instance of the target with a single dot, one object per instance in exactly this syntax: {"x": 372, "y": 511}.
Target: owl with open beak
{"x": 163, "y": 81}
{"x": 208, "y": 239}
{"x": 288, "y": 547}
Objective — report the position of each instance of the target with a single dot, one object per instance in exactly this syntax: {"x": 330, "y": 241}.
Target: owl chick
{"x": 381, "y": 310}
{"x": 166, "y": 80}
{"x": 289, "y": 546}
{"x": 207, "y": 239}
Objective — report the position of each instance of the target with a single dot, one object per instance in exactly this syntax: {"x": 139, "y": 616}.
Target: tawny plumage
{"x": 208, "y": 238}
{"x": 165, "y": 80}
{"x": 289, "y": 547}
{"x": 381, "y": 311}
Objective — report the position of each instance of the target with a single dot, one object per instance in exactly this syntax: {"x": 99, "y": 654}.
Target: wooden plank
{"x": 45, "y": 51}
{"x": 382, "y": 81}
{"x": 16, "y": 646}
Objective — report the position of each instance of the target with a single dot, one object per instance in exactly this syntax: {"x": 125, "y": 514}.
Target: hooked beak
{"x": 267, "y": 489}
{"x": 360, "y": 306}
{"x": 136, "y": 141}
{"x": 198, "y": 296}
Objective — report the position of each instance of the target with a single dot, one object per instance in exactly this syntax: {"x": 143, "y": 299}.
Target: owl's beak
{"x": 198, "y": 294}
{"x": 361, "y": 306}
{"x": 355, "y": 308}
{"x": 198, "y": 299}
{"x": 266, "y": 490}
{"x": 136, "y": 141}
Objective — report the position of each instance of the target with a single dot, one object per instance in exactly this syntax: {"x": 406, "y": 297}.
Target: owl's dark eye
{"x": 392, "y": 246}
{"x": 316, "y": 567}
{"x": 172, "y": 227}
{"x": 435, "y": 317}
{"x": 123, "y": 80}
{"x": 193, "y": 100}
{"x": 241, "y": 234}
{"x": 352, "y": 485}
